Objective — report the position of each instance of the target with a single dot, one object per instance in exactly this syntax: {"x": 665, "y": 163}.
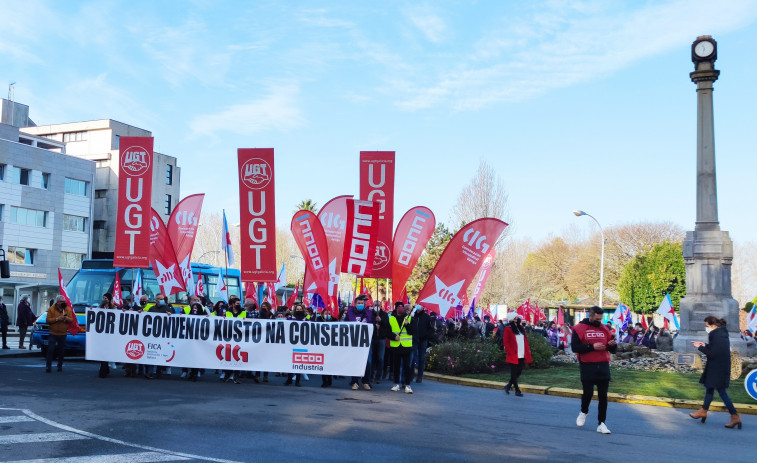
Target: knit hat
{"x": 511, "y": 316}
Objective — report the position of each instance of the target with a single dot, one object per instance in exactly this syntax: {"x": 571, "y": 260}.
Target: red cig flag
{"x": 132, "y": 248}
{"x": 257, "y": 214}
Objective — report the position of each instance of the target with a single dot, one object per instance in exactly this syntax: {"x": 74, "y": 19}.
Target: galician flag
{"x": 137, "y": 290}
{"x": 751, "y": 322}
{"x": 281, "y": 281}
{"x": 221, "y": 290}
{"x": 668, "y": 311}
{"x": 226, "y": 241}
{"x": 621, "y": 317}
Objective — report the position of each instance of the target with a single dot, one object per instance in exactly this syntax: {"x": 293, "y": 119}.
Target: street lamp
{"x": 602, "y": 258}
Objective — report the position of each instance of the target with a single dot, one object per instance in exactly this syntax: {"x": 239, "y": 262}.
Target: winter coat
{"x": 665, "y": 342}
{"x": 384, "y": 330}
{"x": 511, "y": 346}
{"x": 25, "y": 315}
{"x": 3, "y": 316}
{"x": 423, "y": 323}
{"x": 354, "y": 315}
{"x": 717, "y": 370}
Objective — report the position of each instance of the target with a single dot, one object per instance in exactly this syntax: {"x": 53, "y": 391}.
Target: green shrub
{"x": 541, "y": 350}
{"x": 461, "y": 357}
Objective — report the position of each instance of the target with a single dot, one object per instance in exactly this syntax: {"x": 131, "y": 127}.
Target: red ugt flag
{"x": 257, "y": 214}
{"x": 132, "y": 248}
{"x": 377, "y": 185}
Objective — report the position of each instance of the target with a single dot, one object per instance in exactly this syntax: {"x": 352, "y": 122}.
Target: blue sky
{"x": 576, "y": 104}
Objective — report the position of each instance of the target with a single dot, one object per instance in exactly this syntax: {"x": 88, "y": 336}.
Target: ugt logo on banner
{"x": 132, "y": 248}
{"x": 257, "y": 214}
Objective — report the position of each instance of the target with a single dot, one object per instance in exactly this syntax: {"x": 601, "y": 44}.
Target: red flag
{"x": 414, "y": 230}
{"x": 333, "y": 217}
{"x": 483, "y": 275}
{"x": 200, "y": 287}
{"x": 132, "y": 247}
{"x": 364, "y": 290}
{"x": 257, "y": 214}
{"x": 182, "y": 230}
{"x": 162, "y": 258}
{"x": 118, "y": 299}
{"x": 73, "y": 325}
{"x": 403, "y": 296}
{"x": 272, "y": 297}
{"x": 251, "y": 292}
{"x": 665, "y": 323}
{"x": 644, "y": 322}
{"x": 360, "y": 239}
{"x": 293, "y": 298}
{"x": 560, "y": 316}
{"x": 459, "y": 263}
{"x": 388, "y": 306}
{"x": 521, "y": 311}
{"x": 377, "y": 185}
{"x": 63, "y": 291}
{"x": 311, "y": 240}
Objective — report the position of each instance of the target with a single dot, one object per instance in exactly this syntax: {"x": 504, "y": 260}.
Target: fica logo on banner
{"x": 136, "y": 349}
{"x": 303, "y": 359}
{"x": 256, "y": 174}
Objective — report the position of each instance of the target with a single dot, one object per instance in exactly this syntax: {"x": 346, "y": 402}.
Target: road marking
{"x": 39, "y": 437}
{"x": 143, "y": 457}
{"x": 86, "y": 434}
{"x": 14, "y": 419}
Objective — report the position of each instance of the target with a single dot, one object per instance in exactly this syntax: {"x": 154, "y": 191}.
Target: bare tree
{"x": 483, "y": 196}
{"x": 744, "y": 272}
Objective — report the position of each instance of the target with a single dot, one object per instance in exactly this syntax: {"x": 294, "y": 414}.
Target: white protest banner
{"x": 192, "y": 341}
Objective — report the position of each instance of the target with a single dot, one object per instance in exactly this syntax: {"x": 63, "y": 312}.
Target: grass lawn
{"x": 651, "y": 383}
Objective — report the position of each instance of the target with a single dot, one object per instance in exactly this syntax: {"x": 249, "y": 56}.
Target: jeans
{"x": 709, "y": 393}
{"x": 401, "y": 357}
{"x": 55, "y": 345}
{"x": 21, "y": 335}
{"x": 420, "y": 356}
{"x": 515, "y": 371}
{"x": 378, "y": 349}
{"x": 602, "y": 387}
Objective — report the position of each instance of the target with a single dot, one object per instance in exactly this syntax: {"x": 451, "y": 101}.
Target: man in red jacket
{"x": 593, "y": 343}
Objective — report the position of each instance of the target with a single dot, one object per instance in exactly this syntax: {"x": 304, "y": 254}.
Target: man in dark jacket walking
{"x": 4, "y": 321}
{"x": 593, "y": 343}
{"x": 422, "y": 330}
{"x": 25, "y": 318}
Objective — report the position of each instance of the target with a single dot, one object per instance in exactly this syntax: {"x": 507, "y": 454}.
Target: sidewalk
{"x": 746, "y": 409}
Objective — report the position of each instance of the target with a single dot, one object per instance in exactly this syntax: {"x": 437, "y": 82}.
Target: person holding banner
{"x": 361, "y": 314}
{"x": 401, "y": 346}
{"x": 59, "y": 315}
{"x": 161, "y": 306}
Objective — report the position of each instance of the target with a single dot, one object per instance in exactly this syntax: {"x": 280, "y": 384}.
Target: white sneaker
{"x": 305, "y": 377}
{"x": 396, "y": 387}
{"x": 581, "y": 419}
{"x": 408, "y": 390}
{"x": 223, "y": 375}
{"x": 183, "y": 374}
{"x": 603, "y": 429}
{"x": 355, "y": 387}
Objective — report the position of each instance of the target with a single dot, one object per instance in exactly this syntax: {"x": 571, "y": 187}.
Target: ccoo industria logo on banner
{"x": 132, "y": 248}
{"x": 257, "y": 214}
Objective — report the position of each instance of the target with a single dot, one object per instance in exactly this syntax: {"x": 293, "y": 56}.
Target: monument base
{"x": 682, "y": 343}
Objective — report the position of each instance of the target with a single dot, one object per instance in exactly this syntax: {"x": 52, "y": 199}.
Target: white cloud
{"x": 526, "y": 57}
{"x": 279, "y": 110}
{"x": 427, "y": 22}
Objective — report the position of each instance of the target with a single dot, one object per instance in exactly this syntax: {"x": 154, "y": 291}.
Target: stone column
{"x": 707, "y": 251}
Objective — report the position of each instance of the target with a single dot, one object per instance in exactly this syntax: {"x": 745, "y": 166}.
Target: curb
{"x": 746, "y": 409}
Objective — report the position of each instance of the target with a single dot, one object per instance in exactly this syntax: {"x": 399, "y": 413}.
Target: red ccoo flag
{"x": 118, "y": 299}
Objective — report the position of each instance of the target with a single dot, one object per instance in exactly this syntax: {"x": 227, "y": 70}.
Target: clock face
{"x": 704, "y": 49}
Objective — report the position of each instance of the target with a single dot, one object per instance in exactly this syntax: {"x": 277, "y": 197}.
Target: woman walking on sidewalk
{"x": 717, "y": 370}
{"x": 517, "y": 350}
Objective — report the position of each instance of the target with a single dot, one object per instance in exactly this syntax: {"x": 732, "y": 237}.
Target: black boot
{"x": 507, "y": 388}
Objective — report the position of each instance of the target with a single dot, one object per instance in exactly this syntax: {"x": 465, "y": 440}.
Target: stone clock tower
{"x": 707, "y": 251}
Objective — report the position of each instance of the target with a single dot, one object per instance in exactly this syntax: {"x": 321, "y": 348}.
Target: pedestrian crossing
{"x": 29, "y": 438}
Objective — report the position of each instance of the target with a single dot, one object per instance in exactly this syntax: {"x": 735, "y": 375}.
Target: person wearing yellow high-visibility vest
{"x": 401, "y": 346}
{"x": 235, "y": 306}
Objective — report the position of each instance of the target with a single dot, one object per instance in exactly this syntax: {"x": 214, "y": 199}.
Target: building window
{"x": 118, "y": 141}
{"x": 2, "y": 171}
{"x": 168, "y": 204}
{"x": 23, "y": 216}
{"x": 2, "y": 212}
{"x": 45, "y": 180}
{"x": 101, "y": 193}
{"x": 74, "y": 136}
{"x": 21, "y": 256}
{"x": 71, "y": 259}
{"x": 169, "y": 174}
{"x": 76, "y": 187}
{"x": 74, "y": 223}
{"x": 98, "y": 225}
{"x": 20, "y": 176}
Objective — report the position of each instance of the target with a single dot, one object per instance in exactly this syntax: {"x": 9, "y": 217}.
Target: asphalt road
{"x": 76, "y": 415}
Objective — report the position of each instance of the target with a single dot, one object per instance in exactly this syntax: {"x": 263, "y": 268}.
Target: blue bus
{"x": 97, "y": 277}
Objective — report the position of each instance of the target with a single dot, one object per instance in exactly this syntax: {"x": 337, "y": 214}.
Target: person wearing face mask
{"x": 517, "y": 350}
{"x": 160, "y": 306}
{"x": 593, "y": 343}
{"x": 717, "y": 369}
{"x": 361, "y": 313}
{"x": 298, "y": 314}
{"x": 235, "y": 311}
{"x": 59, "y": 315}
{"x": 401, "y": 346}
{"x": 378, "y": 344}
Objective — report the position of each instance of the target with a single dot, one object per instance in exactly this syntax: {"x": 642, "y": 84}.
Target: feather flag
{"x": 752, "y": 321}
